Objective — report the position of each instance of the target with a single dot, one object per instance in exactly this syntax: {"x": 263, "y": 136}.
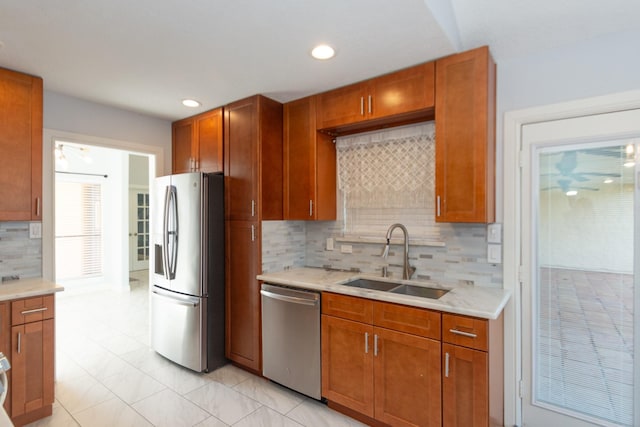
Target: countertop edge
{"x": 26, "y": 288}
{"x": 486, "y": 303}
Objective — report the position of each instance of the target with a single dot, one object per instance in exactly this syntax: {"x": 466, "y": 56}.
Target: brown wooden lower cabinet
{"x": 387, "y": 376}
{"x": 389, "y": 364}
{"x": 32, "y": 359}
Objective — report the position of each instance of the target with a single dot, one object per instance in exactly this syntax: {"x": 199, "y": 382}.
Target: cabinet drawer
{"x": 347, "y": 307}
{"x": 33, "y": 309}
{"x": 416, "y": 321}
{"x": 465, "y": 331}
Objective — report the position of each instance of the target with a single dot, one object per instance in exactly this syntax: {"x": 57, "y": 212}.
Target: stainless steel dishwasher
{"x": 291, "y": 338}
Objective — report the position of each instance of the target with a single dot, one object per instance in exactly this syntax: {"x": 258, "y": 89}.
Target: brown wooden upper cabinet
{"x": 197, "y": 143}
{"x": 309, "y": 165}
{"x": 403, "y": 96}
{"x": 465, "y": 137}
{"x": 21, "y": 147}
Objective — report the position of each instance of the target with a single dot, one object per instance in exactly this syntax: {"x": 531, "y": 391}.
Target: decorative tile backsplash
{"x": 20, "y": 256}
{"x": 463, "y": 259}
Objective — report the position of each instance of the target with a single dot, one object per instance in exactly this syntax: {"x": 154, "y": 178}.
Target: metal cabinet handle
{"x": 375, "y": 344}
{"x": 362, "y": 105}
{"x": 446, "y": 365}
{"x": 35, "y": 310}
{"x": 37, "y": 206}
{"x": 253, "y": 233}
{"x": 438, "y": 206}
{"x": 370, "y": 106}
{"x": 19, "y": 342}
{"x": 366, "y": 342}
{"x": 464, "y": 334}
{"x": 253, "y": 208}
{"x": 310, "y": 207}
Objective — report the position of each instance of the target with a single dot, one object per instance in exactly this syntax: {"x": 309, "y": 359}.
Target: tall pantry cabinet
{"x": 253, "y": 193}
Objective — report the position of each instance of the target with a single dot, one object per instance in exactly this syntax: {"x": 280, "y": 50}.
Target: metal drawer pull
{"x": 446, "y": 365}
{"x": 366, "y": 342}
{"x": 464, "y": 334}
{"x": 19, "y": 342}
{"x": 35, "y": 310}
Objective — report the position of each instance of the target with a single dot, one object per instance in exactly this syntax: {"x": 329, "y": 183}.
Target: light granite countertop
{"x": 469, "y": 300}
{"x": 26, "y": 288}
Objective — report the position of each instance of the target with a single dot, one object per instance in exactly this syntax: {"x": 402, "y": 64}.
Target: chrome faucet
{"x": 407, "y": 270}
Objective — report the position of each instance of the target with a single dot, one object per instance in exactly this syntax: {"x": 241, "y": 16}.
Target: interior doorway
{"x": 117, "y": 171}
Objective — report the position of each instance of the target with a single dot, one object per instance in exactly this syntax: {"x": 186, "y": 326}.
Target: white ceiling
{"x": 148, "y": 55}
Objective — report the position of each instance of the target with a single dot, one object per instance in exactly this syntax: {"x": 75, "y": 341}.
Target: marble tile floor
{"x": 106, "y": 375}
{"x": 585, "y": 354}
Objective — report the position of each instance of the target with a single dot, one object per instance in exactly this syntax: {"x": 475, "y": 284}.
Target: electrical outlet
{"x": 494, "y": 233}
{"x": 329, "y": 243}
{"x": 346, "y": 249}
{"x": 494, "y": 254}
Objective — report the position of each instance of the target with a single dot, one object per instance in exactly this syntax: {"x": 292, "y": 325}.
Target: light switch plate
{"x": 329, "y": 243}
{"x": 494, "y": 233}
{"x": 494, "y": 253}
{"x": 346, "y": 249}
{"x": 35, "y": 230}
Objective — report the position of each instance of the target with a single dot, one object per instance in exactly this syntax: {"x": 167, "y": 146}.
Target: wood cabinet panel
{"x": 21, "y": 146}
{"x": 32, "y": 309}
{"x": 197, "y": 143}
{"x": 404, "y": 91}
{"x": 407, "y": 379}
{"x": 32, "y": 367}
{"x": 465, "y": 144}
{"x": 417, "y": 321}
{"x": 242, "y": 294}
{"x": 347, "y": 307}
{"x": 465, "y": 399}
{"x": 466, "y": 331}
{"x": 347, "y": 363}
{"x": 401, "y": 97}
{"x": 309, "y": 165}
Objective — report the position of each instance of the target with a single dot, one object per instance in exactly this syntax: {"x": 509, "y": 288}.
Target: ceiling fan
{"x": 567, "y": 174}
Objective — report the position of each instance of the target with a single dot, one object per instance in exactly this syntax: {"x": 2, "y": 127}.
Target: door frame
{"x": 512, "y": 239}
{"x": 49, "y": 137}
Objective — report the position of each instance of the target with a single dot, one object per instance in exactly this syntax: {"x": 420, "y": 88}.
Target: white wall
{"x": 65, "y": 113}
{"x": 600, "y": 66}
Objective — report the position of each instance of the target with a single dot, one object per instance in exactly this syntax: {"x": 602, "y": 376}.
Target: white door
{"x": 138, "y": 229}
{"x": 579, "y": 207}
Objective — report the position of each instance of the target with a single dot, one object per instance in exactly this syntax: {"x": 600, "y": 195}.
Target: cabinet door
{"x": 208, "y": 138}
{"x": 181, "y": 147}
{"x": 465, "y": 137}
{"x": 465, "y": 398}
{"x": 407, "y": 379}
{"x": 309, "y": 165}
{"x": 404, "y": 91}
{"x": 342, "y": 106}
{"x": 241, "y": 160}
{"x": 347, "y": 363}
{"x": 31, "y": 367}
{"x": 21, "y": 147}
{"x": 243, "y": 294}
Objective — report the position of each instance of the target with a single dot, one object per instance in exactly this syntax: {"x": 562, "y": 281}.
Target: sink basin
{"x": 419, "y": 291}
{"x": 372, "y": 284}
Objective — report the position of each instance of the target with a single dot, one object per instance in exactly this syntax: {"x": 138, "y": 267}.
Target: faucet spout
{"x": 407, "y": 270}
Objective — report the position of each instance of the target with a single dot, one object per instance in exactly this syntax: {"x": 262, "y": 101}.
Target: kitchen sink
{"x": 372, "y": 284}
{"x": 419, "y": 291}
{"x": 395, "y": 288}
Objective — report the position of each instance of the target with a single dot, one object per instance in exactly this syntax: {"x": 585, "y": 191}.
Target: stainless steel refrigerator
{"x": 187, "y": 292}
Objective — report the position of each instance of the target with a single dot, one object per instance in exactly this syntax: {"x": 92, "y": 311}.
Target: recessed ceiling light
{"x": 608, "y": 181}
{"x": 571, "y": 193}
{"x": 190, "y": 103}
{"x": 323, "y": 51}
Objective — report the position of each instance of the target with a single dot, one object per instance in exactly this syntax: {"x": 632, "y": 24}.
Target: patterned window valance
{"x": 388, "y": 176}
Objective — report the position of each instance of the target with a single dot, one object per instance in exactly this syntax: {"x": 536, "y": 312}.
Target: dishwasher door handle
{"x": 287, "y": 298}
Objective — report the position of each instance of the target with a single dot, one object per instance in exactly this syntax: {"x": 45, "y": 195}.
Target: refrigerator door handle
{"x": 174, "y": 299}
{"x": 170, "y": 232}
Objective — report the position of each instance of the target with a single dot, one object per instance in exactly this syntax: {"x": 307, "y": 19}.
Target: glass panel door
{"x": 139, "y": 230}
{"x": 579, "y": 284}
